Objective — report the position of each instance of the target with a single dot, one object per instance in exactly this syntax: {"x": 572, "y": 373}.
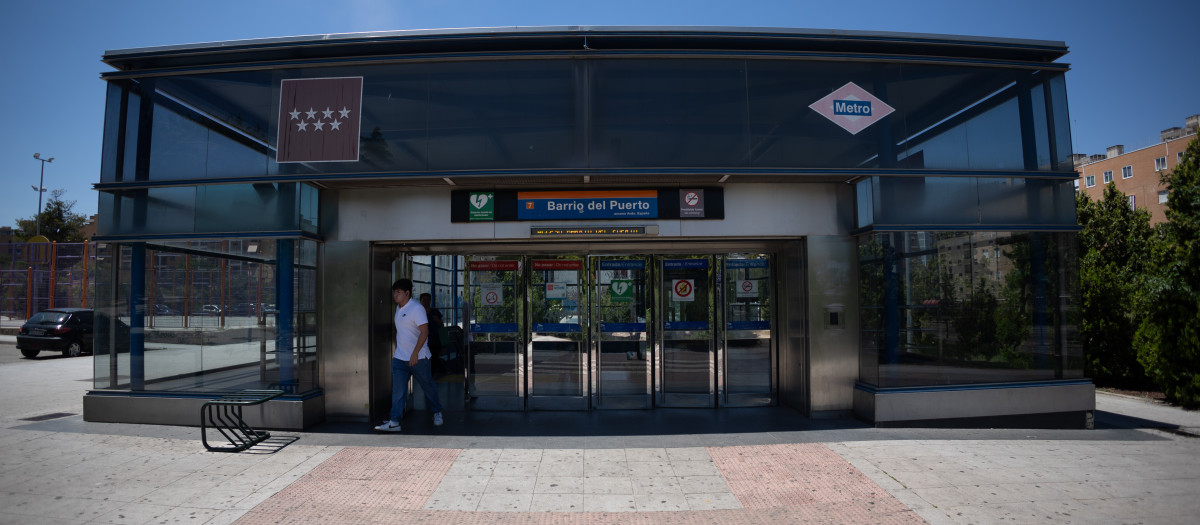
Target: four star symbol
{"x": 319, "y": 125}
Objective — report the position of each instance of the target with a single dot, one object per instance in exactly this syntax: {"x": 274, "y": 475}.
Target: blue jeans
{"x": 422, "y": 372}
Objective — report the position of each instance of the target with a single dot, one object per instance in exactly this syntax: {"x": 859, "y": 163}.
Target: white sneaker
{"x": 389, "y": 426}
{"x": 437, "y": 419}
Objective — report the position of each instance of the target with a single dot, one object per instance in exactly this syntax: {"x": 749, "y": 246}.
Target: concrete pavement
{"x": 740, "y": 466}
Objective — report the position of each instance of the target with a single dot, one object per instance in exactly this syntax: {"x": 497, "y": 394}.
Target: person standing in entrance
{"x": 411, "y": 357}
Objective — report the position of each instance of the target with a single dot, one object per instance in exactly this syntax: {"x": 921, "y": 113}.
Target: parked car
{"x": 162, "y": 309}
{"x": 68, "y": 330}
{"x": 210, "y": 309}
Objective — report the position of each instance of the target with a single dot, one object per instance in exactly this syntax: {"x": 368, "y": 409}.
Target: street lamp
{"x": 40, "y": 188}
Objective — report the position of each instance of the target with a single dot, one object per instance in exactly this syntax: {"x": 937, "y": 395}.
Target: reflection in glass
{"x": 941, "y": 308}
{"x": 210, "y": 318}
{"x": 687, "y": 326}
{"x": 494, "y": 303}
{"x": 555, "y": 297}
{"x": 621, "y": 309}
{"x": 748, "y": 324}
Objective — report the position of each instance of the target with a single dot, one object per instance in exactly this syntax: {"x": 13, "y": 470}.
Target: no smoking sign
{"x": 683, "y": 290}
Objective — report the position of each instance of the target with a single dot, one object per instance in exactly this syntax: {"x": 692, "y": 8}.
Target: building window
{"x": 1091, "y": 180}
{"x": 1132, "y": 201}
{"x": 1108, "y": 176}
{"x": 1076, "y": 181}
{"x": 1127, "y": 172}
{"x": 1162, "y": 196}
{"x": 1160, "y": 164}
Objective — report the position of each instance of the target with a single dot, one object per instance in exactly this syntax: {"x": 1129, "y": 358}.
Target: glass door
{"x": 558, "y": 336}
{"x": 621, "y": 346}
{"x": 495, "y": 371}
{"x": 687, "y": 368}
{"x": 747, "y": 377}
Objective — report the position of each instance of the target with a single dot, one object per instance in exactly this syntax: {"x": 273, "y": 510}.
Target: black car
{"x": 68, "y": 330}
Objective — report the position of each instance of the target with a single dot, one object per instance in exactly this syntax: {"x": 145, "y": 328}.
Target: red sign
{"x": 319, "y": 119}
{"x": 557, "y": 265}
{"x": 492, "y": 266}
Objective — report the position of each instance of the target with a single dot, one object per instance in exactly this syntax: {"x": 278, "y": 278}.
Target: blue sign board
{"x": 691, "y": 264}
{"x": 622, "y": 327}
{"x": 602, "y": 204}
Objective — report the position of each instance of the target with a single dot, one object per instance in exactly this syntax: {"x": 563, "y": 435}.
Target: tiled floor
{"x": 747, "y": 484}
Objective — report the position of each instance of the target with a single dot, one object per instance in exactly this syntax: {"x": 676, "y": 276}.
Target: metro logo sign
{"x": 852, "y": 108}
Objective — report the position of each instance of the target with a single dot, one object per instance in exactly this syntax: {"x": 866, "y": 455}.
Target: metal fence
{"x": 37, "y": 276}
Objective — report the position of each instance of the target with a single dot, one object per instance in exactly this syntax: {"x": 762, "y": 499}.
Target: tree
{"x": 59, "y": 224}
{"x": 1114, "y": 247}
{"x": 1168, "y": 337}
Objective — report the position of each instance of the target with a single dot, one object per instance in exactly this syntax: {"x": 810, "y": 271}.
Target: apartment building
{"x": 1137, "y": 173}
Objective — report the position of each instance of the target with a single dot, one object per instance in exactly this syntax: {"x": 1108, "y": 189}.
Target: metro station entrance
{"x": 579, "y": 331}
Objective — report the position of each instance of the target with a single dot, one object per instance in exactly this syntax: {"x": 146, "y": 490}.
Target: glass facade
{"x": 960, "y": 307}
{"x": 214, "y": 316}
{"x": 615, "y": 113}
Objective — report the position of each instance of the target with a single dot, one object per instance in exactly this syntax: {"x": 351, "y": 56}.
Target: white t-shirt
{"x": 409, "y": 319}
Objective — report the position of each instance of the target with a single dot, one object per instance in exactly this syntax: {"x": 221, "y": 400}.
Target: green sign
{"x": 621, "y": 291}
{"x": 483, "y": 206}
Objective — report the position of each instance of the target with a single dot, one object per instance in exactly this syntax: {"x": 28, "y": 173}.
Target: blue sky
{"x": 1131, "y": 76}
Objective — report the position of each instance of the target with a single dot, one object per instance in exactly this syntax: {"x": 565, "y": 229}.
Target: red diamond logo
{"x": 852, "y": 108}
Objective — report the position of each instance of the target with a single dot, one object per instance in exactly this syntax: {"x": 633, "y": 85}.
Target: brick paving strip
{"x": 790, "y": 483}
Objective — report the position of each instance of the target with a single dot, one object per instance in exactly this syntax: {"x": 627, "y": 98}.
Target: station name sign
{"x": 557, "y": 205}
{"x": 572, "y": 205}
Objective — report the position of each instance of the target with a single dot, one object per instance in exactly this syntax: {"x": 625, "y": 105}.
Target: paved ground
{"x": 1138, "y": 466}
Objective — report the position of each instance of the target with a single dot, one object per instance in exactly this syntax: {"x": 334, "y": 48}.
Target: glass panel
{"x": 968, "y": 307}
{"x": 132, "y": 111}
{"x": 112, "y": 133}
{"x": 209, "y": 209}
{"x": 246, "y": 207}
{"x": 668, "y": 113}
{"x": 785, "y": 131}
{"x": 748, "y": 324}
{"x": 864, "y": 203}
{"x": 211, "y": 319}
{"x": 509, "y": 114}
{"x": 687, "y": 326}
{"x": 178, "y": 146}
{"x": 555, "y": 294}
{"x": 149, "y": 211}
{"x": 1062, "y": 121}
{"x": 928, "y": 200}
{"x": 494, "y": 304}
{"x": 621, "y": 311}
{"x": 1041, "y": 126}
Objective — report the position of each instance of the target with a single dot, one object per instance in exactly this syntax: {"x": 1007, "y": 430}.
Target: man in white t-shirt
{"x": 411, "y": 357}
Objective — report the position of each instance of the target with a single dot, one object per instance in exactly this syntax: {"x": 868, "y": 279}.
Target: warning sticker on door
{"x": 747, "y": 288}
{"x": 493, "y": 294}
{"x": 683, "y": 290}
{"x": 556, "y": 290}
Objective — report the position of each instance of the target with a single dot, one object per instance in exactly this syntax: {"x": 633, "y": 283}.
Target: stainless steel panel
{"x": 345, "y": 330}
{"x": 833, "y": 350}
{"x": 978, "y": 402}
{"x": 282, "y": 414}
